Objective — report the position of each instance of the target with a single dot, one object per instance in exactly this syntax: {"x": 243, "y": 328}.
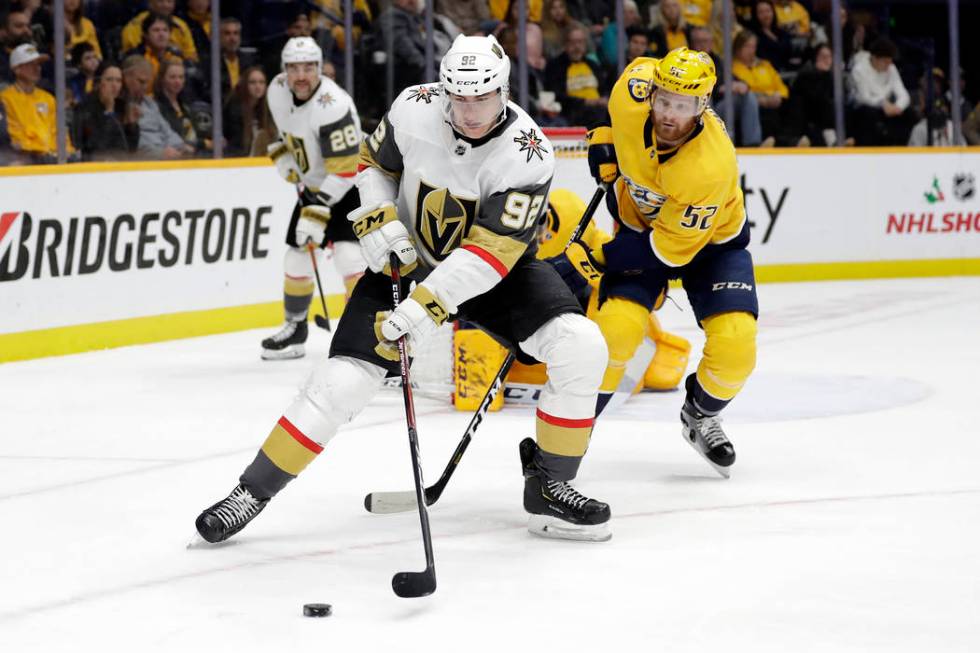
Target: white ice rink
{"x": 851, "y": 521}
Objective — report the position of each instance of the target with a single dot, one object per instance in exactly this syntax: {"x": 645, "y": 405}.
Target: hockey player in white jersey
{"x": 320, "y": 134}
{"x": 454, "y": 181}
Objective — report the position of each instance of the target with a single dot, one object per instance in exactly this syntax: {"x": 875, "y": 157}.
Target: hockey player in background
{"x": 320, "y": 134}
{"x": 454, "y": 181}
{"x": 680, "y": 215}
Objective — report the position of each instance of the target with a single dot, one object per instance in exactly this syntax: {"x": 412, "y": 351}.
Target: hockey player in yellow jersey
{"x": 658, "y": 363}
{"x": 680, "y": 213}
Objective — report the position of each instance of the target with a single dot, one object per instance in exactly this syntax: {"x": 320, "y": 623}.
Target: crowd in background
{"x": 139, "y": 72}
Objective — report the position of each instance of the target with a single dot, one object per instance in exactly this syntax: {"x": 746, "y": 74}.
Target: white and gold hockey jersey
{"x": 323, "y": 135}
{"x": 482, "y": 195}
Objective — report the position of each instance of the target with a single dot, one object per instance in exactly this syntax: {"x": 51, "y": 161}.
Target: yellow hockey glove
{"x": 603, "y": 164}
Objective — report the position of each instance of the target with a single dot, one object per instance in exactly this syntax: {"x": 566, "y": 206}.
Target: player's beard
{"x": 671, "y": 131}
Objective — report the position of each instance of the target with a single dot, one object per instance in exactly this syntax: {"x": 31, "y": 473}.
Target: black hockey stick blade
{"x": 322, "y": 322}
{"x": 413, "y": 584}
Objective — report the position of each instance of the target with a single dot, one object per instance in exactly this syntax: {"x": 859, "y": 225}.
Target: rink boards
{"x": 103, "y": 255}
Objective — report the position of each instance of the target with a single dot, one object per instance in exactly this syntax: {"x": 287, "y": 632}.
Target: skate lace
{"x": 237, "y": 508}
{"x": 711, "y": 431}
{"x": 286, "y": 332}
{"x": 566, "y": 494}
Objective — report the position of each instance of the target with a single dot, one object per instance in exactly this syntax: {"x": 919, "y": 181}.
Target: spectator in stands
{"x": 328, "y": 19}
{"x": 935, "y": 128}
{"x": 774, "y": 43}
{"x": 793, "y": 18}
{"x": 329, "y": 70}
{"x": 167, "y": 91}
{"x": 533, "y": 37}
{"x": 555, "y": 25}
{"x": 971, "y": 126}
{"x": 747, "y": 130}
{"x": 180, "y": 34}
{"x": 30, "y": 110}
{"x": 669, "y": 28}
{"x": 469, "y": 15}
{"x": 85, "y": 61}
{"x": 157, "y": 139}
{"x": 100, "y": 131}
{"x": 809, "y": 114}
{"x": 637, "y": 44}
{"x": 198, "y": 19}
{"x": 609, "y": 40}
{"x": 501, "y": 9}
{"x": 80, "y": 29}
{"x": 881, "y": 115}
{"x": 156, "y": 47}
{"x": 16, "y": 31}
{"x": 763, "y": 81}
{"x": 248, "y": 125}
{"x": 543, "y": 106}
{"x": 233, "y": 60}
{"x": 577, "y": 82}
{"x": 400, "y": 30}
{"x": 297, "y": 24}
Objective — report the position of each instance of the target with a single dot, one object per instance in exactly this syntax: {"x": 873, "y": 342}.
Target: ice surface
{"x": 851, "y": 521}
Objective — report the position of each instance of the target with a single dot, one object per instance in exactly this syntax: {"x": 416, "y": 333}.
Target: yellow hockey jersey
{"x": 688, "y": 195}
{"x": 565, "y": 209}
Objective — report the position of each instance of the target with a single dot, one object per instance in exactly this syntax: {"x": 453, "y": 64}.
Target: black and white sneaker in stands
{"x": 557, "y": 509}
{"x": 228, "y": 516}
{"x": 705, "y": 435}
{"x": 287, "y": 343}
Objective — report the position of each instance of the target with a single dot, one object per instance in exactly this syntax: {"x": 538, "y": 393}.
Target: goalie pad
{"x": 477, "y": 358}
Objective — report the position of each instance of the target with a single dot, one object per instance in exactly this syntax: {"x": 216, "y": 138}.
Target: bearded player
{"x": 320, "y": 134}
{"x": 680, "y": 215}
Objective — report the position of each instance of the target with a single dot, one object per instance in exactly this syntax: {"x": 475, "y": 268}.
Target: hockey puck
{"x": 317, "y": 610}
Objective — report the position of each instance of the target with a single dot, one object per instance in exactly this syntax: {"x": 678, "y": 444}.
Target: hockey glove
{"x": 603, "y": 165}
{"x": 312, "y": 225}
{"x": 285, "y": 163}
{"x": 630, "y": 252}
{"x": 417, "y": 317}
{"x": 577, "y": 267}
{"x": 380, "y": 232}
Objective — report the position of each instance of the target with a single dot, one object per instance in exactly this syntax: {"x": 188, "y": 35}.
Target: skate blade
{"x": 724, "y": 472}
{"x": 557, "y": 529}
{"x": 290, "y": 352}
{"x": 198, "y": 542}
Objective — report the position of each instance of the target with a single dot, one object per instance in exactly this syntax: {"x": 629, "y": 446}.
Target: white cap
{"x": 301, "y": 49}
{"x": 26, "y": 53}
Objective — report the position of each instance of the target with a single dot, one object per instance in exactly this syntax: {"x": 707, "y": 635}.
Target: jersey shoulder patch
{"x": 417, "y": 107}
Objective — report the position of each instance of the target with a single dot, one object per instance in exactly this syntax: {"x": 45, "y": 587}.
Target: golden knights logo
{"x": 423, "y": 94}
{"x": 442, "y": 219}
{"x": 325, "y": 99}
{"x": 531, "y": 143}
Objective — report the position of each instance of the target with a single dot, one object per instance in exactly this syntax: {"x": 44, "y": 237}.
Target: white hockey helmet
{"x": 474, "y": 65}
{"x": 301, "y": 49}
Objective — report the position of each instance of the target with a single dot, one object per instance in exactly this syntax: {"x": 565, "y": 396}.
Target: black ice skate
{"x": 288, "y": 343}
{"x": 557, "y": 509}
{"x": 230, "y": 515}
{"x": 704, "y": 434}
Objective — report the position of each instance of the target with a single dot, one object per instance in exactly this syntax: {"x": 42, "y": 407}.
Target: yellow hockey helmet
{"x": 686, "y": 72}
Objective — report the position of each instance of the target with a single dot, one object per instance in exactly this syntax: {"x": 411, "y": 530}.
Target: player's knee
{"x": 334, "y": 393}
{"x": 574, "y": 351}
{"x": 729, "y": 353}
{"x": 297, "y": 263}
{"x": 623, "y": 324}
